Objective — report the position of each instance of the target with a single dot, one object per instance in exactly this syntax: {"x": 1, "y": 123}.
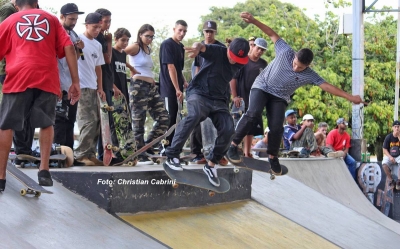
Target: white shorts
{"x": 394, "y": 167}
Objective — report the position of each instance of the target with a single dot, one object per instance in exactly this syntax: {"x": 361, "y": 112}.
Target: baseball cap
{"x": 70, "y": 8}
{"x": 308, "y": 117}
{"x": 260, "y": 42}
{"x": 238, "y": 50}
{"x": 341, "y": 120}
{"x": 93, "y": 18}
{"x": 210, "y": 25}
{"x": 396, "y": 122}
{"x": 289, "y": 112}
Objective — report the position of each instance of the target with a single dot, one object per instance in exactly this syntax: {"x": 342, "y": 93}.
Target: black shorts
{"x": 15, "y": 107}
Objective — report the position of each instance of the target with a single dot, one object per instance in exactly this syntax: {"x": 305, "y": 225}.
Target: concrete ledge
{"x": 146, "y": 188}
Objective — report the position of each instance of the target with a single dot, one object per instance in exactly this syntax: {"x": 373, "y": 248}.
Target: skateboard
{"x": 105, "y": 131}
{"x": 132, "y": 160}
{"x": 31, "y": 187}
{"x": 237, "y": 112}
{"x": 60, "y": 158}
{"x": 257, "y": 165}
{"x": 159, "y": 159}
{"x": 195, "y": 179}
{"x": 123, "y": 126}
{"x": 291, "y": 154}
{"x": 208, "y": 135}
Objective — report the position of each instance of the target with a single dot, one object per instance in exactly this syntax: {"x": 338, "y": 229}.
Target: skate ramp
{"x": 62, "y": 220}
{"x": 331, "y": 178}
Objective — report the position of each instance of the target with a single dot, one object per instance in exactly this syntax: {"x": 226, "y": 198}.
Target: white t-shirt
{"x": 93, "y": 55}
{"x": 63, "y": 70}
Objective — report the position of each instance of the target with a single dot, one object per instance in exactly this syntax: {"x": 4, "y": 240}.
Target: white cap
{"x": 308, "y": 117}
{"x": 260, "y": 42}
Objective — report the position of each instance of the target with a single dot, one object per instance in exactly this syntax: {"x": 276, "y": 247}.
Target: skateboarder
{"x": 272, "y": 89}
{"x": 39, "y": 41}
{"x": 144, "y": 95}
{"x": 242, "y": 83}
{"x": 391, "y": 152}
{"x": 210, "y": 100}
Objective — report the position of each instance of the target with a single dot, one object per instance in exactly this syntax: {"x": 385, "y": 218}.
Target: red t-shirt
{"x": 31, "y": 40}
{"x": 337, "y": 140}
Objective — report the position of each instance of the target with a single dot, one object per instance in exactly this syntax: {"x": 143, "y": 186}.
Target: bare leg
{"x": 248, "y": 140}
{"x": 45, "y": 139}
{"x": 5, "y": 146}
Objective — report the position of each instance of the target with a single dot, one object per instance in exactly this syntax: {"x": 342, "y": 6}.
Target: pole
{"x": 396, "y": 96}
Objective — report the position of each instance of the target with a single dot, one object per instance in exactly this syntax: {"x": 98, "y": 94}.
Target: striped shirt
{"x": 279, "y": 79}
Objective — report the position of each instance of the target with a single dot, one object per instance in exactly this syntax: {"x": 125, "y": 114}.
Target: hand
{"x": 247, "y": 17}
{"x": 237, "y": 101}
{"x": 179, "y": 95}
{"x": 185, "y": 85}
{"x": 74, "y": 93}
{"x": 80, "y": 44}
{"x": 193, "y": 51}
{"x": 107, "y": 36}
{"x": 101, "y": 94}
{"x": 117, "y": 93}
{"x": 356, "y": 99}
{"x": 392, "y": 159}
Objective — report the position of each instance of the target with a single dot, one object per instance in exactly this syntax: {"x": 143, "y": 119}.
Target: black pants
{"x": 171, "y": 104}
{"x": 275, "y": 107}
{"x": 196, "y": 141}
{"x": 199, "y": 108}
{"x": 114, "y": 138}
{"x": 64, "y": 127}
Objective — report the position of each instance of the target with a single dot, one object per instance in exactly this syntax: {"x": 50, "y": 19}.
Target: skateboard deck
{"x": 61, "y": 158}
{"x": 131, "y": 160}
{"x": 196, "y": 179}
{"x": 291, "y": 154}
{"x": 104, "y": 109}
{"x": 31, "y": 187}
{"x": 237, "y": 112}
{"x": 208, "y": 135}
{"x": 159, "y": 159}
{"x": 180, "y": 113}
{"x": 258, "y": 165}
{"x": 123, "y": 126}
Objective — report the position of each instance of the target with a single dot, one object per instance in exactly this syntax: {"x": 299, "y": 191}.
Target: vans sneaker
{"x": 275, "y": 166}
{"x": 211, "y": 172}
{"x": 174, "y": 164}
{"x": 233, "y": 154}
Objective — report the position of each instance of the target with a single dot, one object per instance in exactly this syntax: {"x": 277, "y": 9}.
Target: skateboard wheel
{"x": 109, "y": 146}
{"x": 236, "y": 170}
{"x": 175, "y": 185}
{"x": 272, "y": 177}
{"x": 211, "y": 193}
{"x": 37, "y": 194}
{"x": 164, "y": 142}
{"x": 23, "y": 192}
{"x": 183, "y": 113}
{"x": 22, "y": 165}
{"x": 132, "y": 163}
{"x": 158, "y": 161}
{"x": 115, "y": 148}
{"x": 186, "y": 163}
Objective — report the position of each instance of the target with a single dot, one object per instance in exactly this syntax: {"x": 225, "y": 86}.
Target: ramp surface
{"x": 62, "y": 220}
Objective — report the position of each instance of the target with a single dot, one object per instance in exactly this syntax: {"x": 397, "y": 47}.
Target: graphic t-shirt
{"x": 31, "y": 41}
{"x": 391, "y": 141}
{"x": 118, "y": 65}
{"x": 288, "y": 133}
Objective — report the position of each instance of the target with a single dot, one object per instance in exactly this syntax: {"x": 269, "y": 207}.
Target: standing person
{"x": 38, "y": 38}
{"x": 90, "y": 76}
{"x": 172, "y": 81}
{"x": 207, "y": 97}
{"x": 242, "y": 83}
{"x": 339, "y": 140}
{"x": 391, "y": 155}
{"x": 66, "y": 113}
{"x": 320, "y": 135}
{"x": 272, "y": 89}
{"x": 147, "y": 97}
{"x": 196, "y": 143}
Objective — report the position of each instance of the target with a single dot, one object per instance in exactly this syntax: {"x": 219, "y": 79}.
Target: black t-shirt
{"x": 390, "y": 141}
{"x": 171, "y": 53}
{"x": 107, "y": 75}
{"x": 118, "y": 65}
{"x": 246, "y": 76}
{"x": 214, "y": 76}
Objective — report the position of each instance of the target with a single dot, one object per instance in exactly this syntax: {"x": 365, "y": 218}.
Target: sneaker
{"x": 199, "y": 159}
{"x": 275, "y": 166}
{"x": 233, "y": 154}
{"x": 115, "y": 160}
{"x": 398, "y": 185}
{"x": 86, "y": 162}
{"x": 21, "y": 163}
{"x": 44, "y": 178}
{"x": 174, "y": 164}
{"x": 211, "y": 172}
{"x": 2, "y": 185}
{"x": 96, "y": 161}
{"x": 144, "y": 160}
{"x": 223, "y": 162}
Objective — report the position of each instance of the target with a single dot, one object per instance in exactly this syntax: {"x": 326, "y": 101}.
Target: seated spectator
{"x": 262, "y": 144}
{"x": 391, "y": 158}
{"x": 339, "y": 140}
{"x": 320, "y": 135}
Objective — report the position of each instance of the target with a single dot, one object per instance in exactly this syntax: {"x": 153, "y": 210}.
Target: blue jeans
{"x": 351, "y": 165}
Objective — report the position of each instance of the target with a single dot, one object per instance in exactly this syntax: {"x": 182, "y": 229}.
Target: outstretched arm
{"x": 356, "y": 99}
{"x": 249, "y": 18}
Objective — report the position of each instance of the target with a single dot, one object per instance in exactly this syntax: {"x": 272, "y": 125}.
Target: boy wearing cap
{"x": 243, "y": 81}
{"x": 391, "y": 158}
{"x": 206, "y": 97}
{"x": 196, "y": 143}
{"x": 65, "y": 112}
{"x": 272, "y": 90}
{"x": 339, "y": 140}
{"x": 39, "y": 41}
{"x": 90, "y": 75}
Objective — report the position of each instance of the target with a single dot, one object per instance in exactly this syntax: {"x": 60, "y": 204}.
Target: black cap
{"x": 238, "y": 50}
{"x": 210, "y": 25}
{"x": 70, "y": 8}
{"x": 396, "y": 122}
{"x": 93, "y": 18}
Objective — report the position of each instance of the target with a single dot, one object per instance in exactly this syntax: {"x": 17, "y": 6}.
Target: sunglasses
{"x": 150, "y": 37}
